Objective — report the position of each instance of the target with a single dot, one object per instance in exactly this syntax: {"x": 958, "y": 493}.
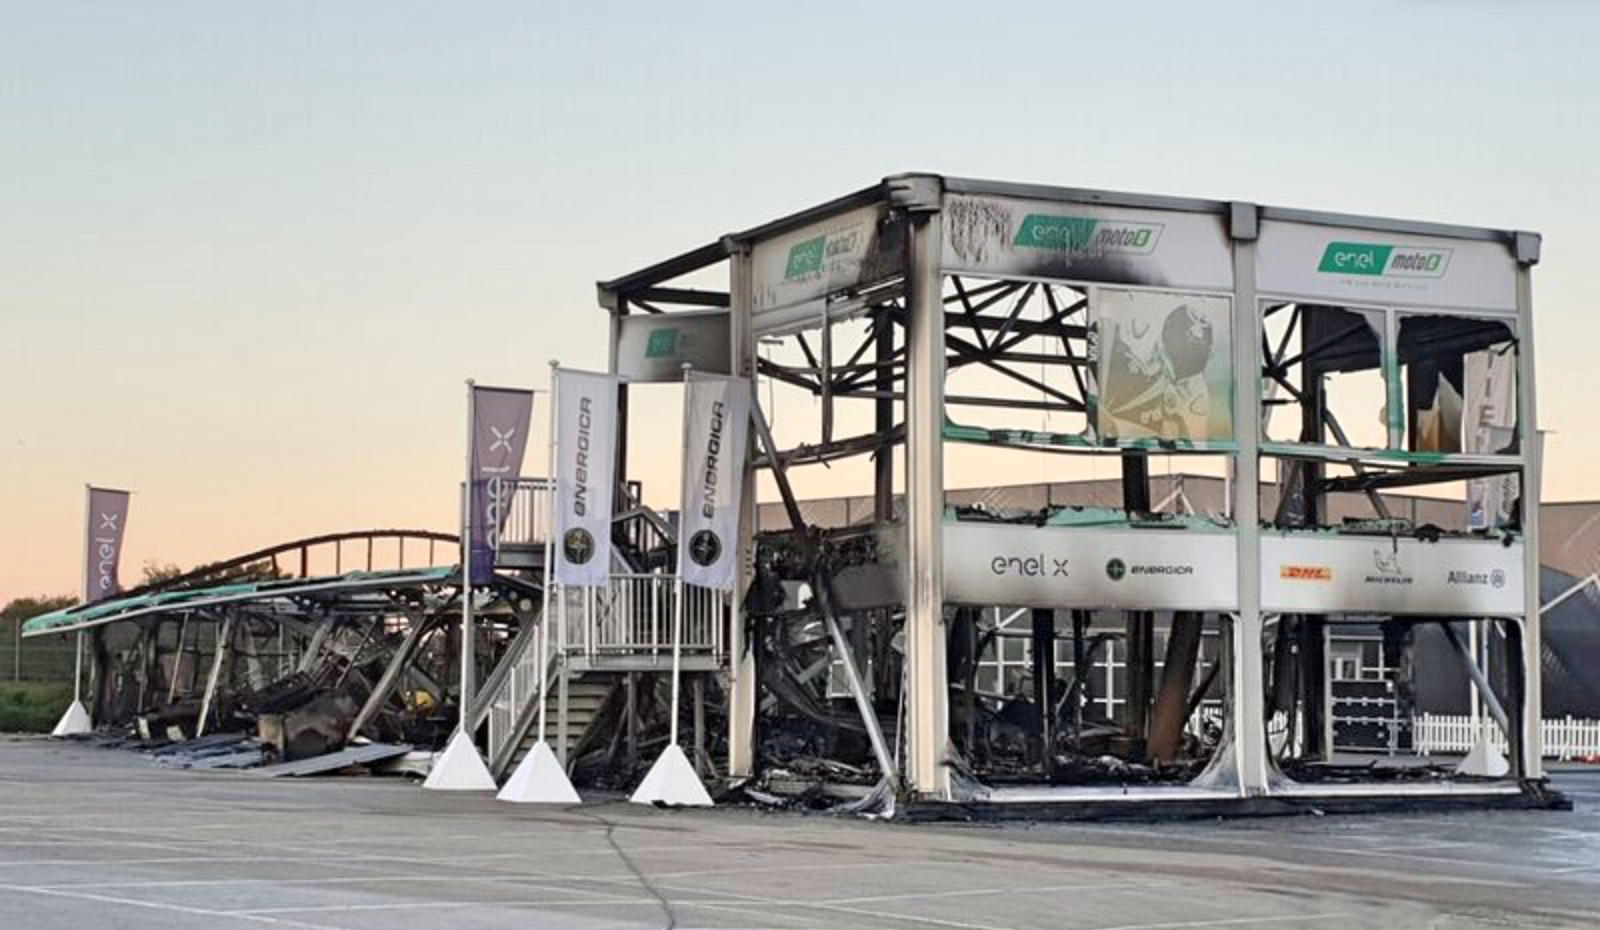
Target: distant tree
{"x": 155, "y": 572}
{"x": 26, "y": 608}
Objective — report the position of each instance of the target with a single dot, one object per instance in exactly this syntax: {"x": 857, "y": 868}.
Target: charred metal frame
{"x": 329, "y": 635}
{"x": 927, "y": 323}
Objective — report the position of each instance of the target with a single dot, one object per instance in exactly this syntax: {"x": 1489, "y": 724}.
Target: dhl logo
{"x": 1305, "y": 572}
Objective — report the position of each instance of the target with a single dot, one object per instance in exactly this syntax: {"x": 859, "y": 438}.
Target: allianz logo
{"x": 1494, "y": 579}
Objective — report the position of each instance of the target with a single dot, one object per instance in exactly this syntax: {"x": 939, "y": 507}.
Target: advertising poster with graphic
{"x": 1164, "y": 366}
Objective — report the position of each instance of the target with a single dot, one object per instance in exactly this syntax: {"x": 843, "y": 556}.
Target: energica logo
{"x": 1377, "y": 260}
{"x": 1116, "y": 569}
{"x": 1087, "y": 234}
{"x": 577, "y": 546}
{"x": 704, "y": 548}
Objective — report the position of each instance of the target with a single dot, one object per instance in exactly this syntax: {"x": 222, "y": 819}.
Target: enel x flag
{"x": 716, "y": 420}
{"x": 500, "y": 418}
{"x": 586, "y": 422}
{"x": 107, "y": 518}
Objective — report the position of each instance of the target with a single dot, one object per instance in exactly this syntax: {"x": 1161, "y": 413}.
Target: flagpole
{"x": 83, "y": 565}
{"x": 677, "y": 589}
{"x": 466, "y": 571}
{"x": 672, "y": 779}
{"x": 549, "y": 553}
{"x": 677, "y": 662}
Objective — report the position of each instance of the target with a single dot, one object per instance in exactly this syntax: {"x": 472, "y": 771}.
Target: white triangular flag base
{"x": 539, "y": 779}
{"x": 1484, "y": 760}
{"x": 459, "y": 768}
{"x": 672, "y": 780}
{"x": 74, "y": 721}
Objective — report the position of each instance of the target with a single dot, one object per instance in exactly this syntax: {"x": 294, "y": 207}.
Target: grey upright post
{"x": 1249, "y": 724}
{"x": 927, "y": 696}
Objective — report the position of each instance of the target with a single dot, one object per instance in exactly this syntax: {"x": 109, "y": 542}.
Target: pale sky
{"x": 251, "y": 250}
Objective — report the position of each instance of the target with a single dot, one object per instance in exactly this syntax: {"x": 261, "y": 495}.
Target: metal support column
{"x": 1044, "y": 692}
{"x": 883, "y": 418}
{"x": 219, "y": 659}
{"x": 1532, "y": 447}
{"x": 741, "y": 656}
{"x": 927, "y": 692}
{"x": 619, "y": 501}
{"x": 876, "y": 624}
{"x": 1314, "y": 696}
{"x": 1141, "y": 661}
{"x": 1250, "y": 756}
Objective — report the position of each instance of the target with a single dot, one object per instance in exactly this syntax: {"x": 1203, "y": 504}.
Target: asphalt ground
{"x": 102, "y": 839}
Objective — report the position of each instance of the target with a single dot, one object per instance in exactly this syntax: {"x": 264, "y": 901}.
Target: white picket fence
{"x": 1565, "y": 738}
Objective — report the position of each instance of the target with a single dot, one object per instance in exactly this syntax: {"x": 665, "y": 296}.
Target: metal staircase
{"x": 594, "y": 632}
{"x": 587, "y": 694}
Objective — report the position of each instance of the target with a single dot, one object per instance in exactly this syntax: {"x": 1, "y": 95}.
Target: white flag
{"x": 586, "y": 423}
{"x": 716, "y": 419}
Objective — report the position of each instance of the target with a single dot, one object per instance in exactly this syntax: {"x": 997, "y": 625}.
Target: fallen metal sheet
{"x": 333, "y": 761}
{"x": 232, "y": 760}
{"x": 228, "y": 750}
{"x": 417, "y": 762}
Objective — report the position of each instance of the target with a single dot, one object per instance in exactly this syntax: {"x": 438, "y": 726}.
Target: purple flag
{"x": 500, "y": 418}
{"x": 107, "y": 517}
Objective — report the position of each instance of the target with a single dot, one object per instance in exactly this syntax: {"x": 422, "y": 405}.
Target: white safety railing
{"x": 1564, "y": 738}
{"x": 633, "y": 614}
{"x": 523, "y": 682}
{"x": 524, "y": 508}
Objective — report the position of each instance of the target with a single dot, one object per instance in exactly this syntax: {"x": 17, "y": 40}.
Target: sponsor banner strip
{"x": 1355, "y": 574}
{"x": 1372, "y": 267}
{"x": 1009, "y": 236}
{"x": 1027, "y": 566}
{"x": 1149, "y": 569}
